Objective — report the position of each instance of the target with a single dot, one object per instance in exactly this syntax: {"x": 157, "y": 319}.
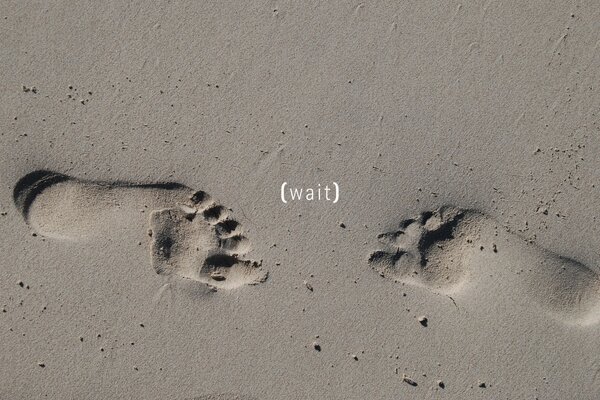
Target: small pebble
{"x": 408, "y": 380}
{"x": 41, "y": 364}
{"x": 217, "y": 276}
{"x": 316, "y": 346}
{"x": 423, "y": 320}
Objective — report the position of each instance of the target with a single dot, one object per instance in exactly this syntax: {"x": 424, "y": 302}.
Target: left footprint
{"x": 192, "y": 236}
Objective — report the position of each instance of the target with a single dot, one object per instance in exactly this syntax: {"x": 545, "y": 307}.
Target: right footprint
{"x": 443, "y": 251}
{"x": 192, "y": 236}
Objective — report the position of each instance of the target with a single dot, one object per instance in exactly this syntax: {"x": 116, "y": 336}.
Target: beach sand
{"x": 146, "y": 251}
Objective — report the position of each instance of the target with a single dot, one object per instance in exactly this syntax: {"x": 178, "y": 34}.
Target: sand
{"x": 146, "y": 252}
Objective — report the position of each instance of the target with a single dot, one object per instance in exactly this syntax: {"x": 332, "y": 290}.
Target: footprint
{"x": 202, "y": 244}
{"x": 58, "y": 206}
{"x": 192, "y": 236}
{"x": 450, "y": 248}
{"x": 425, "y": 250}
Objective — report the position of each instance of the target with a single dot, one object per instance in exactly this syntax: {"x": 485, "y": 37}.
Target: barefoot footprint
{"x": 192, "y": 236}
{"x": 421, "y": 252}
{"x": 199, "y": 242}
{"x": 443, "y": 251}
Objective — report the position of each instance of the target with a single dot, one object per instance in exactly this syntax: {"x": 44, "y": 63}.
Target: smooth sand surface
{"x": 146, "y": 252}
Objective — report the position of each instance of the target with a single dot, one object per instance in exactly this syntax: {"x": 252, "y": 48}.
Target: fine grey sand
{"x": 146, "y": 252}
